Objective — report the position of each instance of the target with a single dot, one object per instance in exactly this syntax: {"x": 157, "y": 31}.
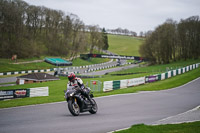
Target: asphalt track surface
{"x": 103, "y": 72}
{"x": 115, "y": 112}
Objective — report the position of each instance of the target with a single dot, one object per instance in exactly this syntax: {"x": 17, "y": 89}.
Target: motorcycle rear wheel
{"x": 73, "y": 108}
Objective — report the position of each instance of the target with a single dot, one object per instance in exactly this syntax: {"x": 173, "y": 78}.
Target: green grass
{"x": 156, "y": 69}
{"x": 56, "y": 88}
{"x": 80, "y": 62}
{"x": 7, "y": 83}
{"x": 7, "y": 66}
{"x": 193, "y": 127}
{"x": 124, "y": 45}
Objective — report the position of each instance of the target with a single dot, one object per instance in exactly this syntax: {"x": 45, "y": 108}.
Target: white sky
{"x": 135, "y": 15}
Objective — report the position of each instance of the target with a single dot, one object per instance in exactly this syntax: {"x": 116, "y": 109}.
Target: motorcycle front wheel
{"x": 94, "y": 107}
{"x": 73, "y": 108}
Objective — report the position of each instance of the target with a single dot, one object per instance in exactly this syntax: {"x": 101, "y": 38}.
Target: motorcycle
{"x": 77, "y": 103}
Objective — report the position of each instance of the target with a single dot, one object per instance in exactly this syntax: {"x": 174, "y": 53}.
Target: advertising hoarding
{"x": 151, "y": 79}
{"x": 136, "y": 81}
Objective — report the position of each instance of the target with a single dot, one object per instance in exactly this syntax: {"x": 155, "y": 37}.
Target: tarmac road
{"x": 103, "y": 72}
{"x": 8, "y": 79}
{"x": 115, "y": 112}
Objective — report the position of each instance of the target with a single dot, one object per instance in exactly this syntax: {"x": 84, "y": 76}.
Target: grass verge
{"x": 156, "y": 69}
{"x": 192, "y": 127}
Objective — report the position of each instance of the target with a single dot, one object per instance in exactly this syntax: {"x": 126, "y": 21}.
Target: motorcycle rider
{"x": 74, "y": 81}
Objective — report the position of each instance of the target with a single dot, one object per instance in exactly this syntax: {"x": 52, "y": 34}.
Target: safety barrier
{"x": 175, "y": 72}
{"x": 28, "y": 71}
{"x": 121, "y": 84}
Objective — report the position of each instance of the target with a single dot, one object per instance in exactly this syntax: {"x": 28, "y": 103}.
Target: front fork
{"x": 75, "y": 100}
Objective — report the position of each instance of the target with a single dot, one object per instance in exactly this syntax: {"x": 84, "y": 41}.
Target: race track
{"x": 115, "y": 112}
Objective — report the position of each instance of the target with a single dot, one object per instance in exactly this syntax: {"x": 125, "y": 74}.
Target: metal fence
{"x": 95, "y": 85}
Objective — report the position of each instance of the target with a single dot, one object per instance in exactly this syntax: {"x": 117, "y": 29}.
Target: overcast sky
{"x": 135, "y": 15}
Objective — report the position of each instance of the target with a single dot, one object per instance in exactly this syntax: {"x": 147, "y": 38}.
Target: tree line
{"x": 32, "y": 31}
{"x": 173, "y": 41}
{"x": 121, "y": 31}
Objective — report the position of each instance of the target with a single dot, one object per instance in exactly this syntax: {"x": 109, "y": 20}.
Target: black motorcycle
{"x": 77, "y": 103}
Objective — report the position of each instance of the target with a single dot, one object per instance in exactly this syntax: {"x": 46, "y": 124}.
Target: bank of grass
{"x": 56, "y": 88}
{"x": 124, "y": 45}
{"x": 81, "y": 62}
{"x": 192, "y": 127}
{"x": 156, "y": 69}
{"x": 7, "y": 66}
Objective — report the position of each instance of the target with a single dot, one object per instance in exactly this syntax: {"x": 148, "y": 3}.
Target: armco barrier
{"x": 120, "y": 84}
{"x": 116, "y": 85}
{"x": 123, "y": 83}
{"x": 107, "y": 86}
{"x": 28, "y": 71}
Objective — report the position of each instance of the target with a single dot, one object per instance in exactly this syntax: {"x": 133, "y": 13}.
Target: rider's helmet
{"x": 71, "y": 76}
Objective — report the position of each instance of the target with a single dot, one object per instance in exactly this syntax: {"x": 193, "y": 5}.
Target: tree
{"x": 105, "y": 39}
{"x": 77, "y": 35}
{"x": 96, "y": 39}
{"x": 173, "y": 41}
{"x": 141, "y": 34}
{"x": 29, "y": 31}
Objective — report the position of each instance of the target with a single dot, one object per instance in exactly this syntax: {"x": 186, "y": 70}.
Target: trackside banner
{"x": 22, "y": 93}
{"x": 151, "y": 78}
{"x": 39, "y": 91}
{"x": 136, "y": 81}
{"x": 122, "y": 57}
{"x": 10, "y": 94}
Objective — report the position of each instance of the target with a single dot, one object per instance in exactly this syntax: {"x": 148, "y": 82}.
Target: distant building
{"x": 35, "y": 78}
